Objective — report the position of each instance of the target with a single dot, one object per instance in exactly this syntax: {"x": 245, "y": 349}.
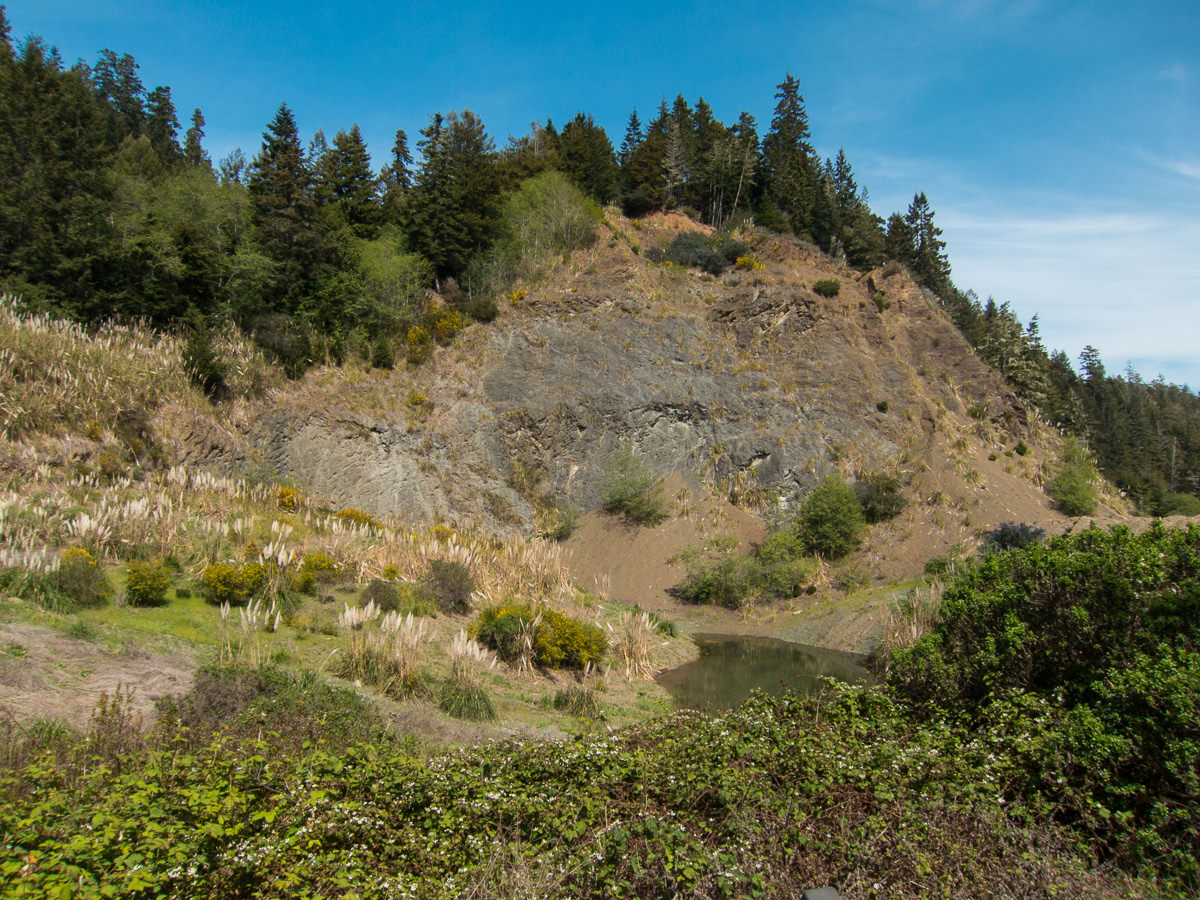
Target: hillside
{"x": 748, "y": 387}
{"x": 744, "y": 389}
{"x": 132, "y": 503}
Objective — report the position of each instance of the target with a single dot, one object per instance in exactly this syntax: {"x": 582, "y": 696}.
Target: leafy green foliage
{"x": 146, "y": 582}
{"x": 547, "y": 215}
{"x": 1007, "y": 536}
{"x": 450, "y": 583}
{"x": 1178, "y": 505}
{"x": 830, "y": 521}
{"x": 631, "y": 490}
{"x": 556, "y": 641}
{"x": 1074, "y": 485}
{"x": 717, "y": 574}
{"x": 879, "y": 494}
{"x": 1091, "y": 641}
{"x": 827, "y": 287}
{"x": 712, "y": 254}
{"x": 768, "y": 799}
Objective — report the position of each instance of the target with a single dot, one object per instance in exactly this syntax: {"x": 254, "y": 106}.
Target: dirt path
{"x": 46, "y": 675}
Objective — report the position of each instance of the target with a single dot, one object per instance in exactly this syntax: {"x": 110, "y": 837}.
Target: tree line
{"x": 109, "y": 207}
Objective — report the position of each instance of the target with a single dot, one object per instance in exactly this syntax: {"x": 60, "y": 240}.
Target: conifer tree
{"x": 347, "y": 185}
{"x": 455, "y": 197}
{"x": 632, "y": 140}
{"x": 929, "y": 262}
{"x": 788, "y": 159}
{"x": 587, "y": 158}
{"x": 193, "y": 148}
{"x": 117, "y": 83}
{"x": 161, "y": 126}
{"x": 284, "y": 212}
{"x": 643, "y": 176}
{"x": 54, "y": 193}
{"x": 395, "y": 180}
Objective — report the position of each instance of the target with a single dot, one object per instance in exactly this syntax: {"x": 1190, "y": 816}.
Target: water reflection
{"x": 730, "y": 667}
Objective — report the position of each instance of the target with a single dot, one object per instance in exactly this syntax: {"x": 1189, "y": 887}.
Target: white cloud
{"x": 1126, "y": 283}
{"x": 1177, "y": 73}
{"x": 1189, "y": 169}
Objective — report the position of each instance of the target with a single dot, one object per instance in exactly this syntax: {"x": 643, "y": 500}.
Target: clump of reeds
{"x": 579, "y": 702}
{"x": 242, "y": 641}
{"x": 463, "y": 695}
{"x": 631, "y": 641}
{"x": 910, "y": 618}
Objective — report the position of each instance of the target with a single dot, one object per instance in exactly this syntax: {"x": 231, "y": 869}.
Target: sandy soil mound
{"x": 628, "y": 563}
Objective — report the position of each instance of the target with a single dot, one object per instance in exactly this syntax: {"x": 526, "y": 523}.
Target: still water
{"x": 731, "y": 667}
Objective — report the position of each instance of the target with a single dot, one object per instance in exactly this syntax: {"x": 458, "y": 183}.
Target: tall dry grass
{"x": 911, "y": 617}
{"x": 57, "y": 378}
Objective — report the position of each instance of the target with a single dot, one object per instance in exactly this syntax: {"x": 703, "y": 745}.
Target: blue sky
{"x": 1058, "y": 142}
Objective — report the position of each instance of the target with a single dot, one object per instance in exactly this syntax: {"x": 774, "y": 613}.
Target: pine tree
{"x": 929, "y": 262}
{"x": 900, "y": 242}
{"x": 789, "y": 161}
{"x": 643, "y": 176}
{"x": 587, "y": 158}
{"x": 116, "y": 81}
{"x": 193, "y": 148}
{"x": 284, "y": 212}
{"x": 347, "y": 185}
{"x": 396, "y": 179}
{"x": 455, "y": 197}
{"x": 632, "y": 140}
{"x": 161, "y": 126}
{"x": 54, "y": 193}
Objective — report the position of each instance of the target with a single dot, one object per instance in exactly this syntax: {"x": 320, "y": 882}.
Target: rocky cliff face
{"x": 750, "y": 382}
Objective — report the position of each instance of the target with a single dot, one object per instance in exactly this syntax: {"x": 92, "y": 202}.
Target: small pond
{"x": 730, "y": 667}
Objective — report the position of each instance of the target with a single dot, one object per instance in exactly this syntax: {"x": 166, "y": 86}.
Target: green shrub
{"x": 1074, "y": 485}
{"x": 1007, "y": 536}
{"x": 81, "y": 578}
{"x": 225, "y": 583}
{"x": 548, "y": 215}
{"x": 879, "y": 496}
{"x": 383, "y": 594}
{"x": 559, "y": 641}
{"x": 1178, "y": 505}
{"x": 828, "y": 287}
{"x": 696, "y": 251}
{"x": 146, "y": 582}
{"x": 830, "y": 521}
{"x": 301, "y": 707}
{"x": 1087, "y": 643}
{"x": 579, "y": 702}
{"x": 631, "y": 490}
{"x": 499, "y": 628}
{"x": 451, "y": 585}
{"x": 716, "y": 575}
